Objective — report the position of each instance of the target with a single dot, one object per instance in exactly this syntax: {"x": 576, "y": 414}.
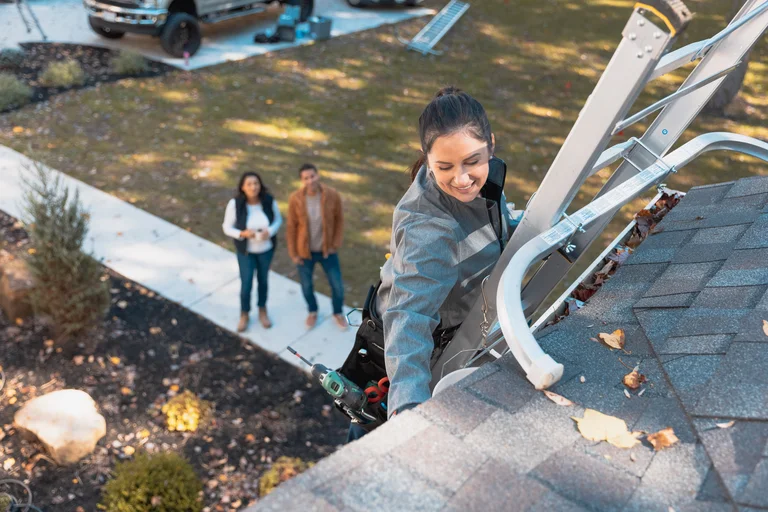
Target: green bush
{"x": 186, "y": 412}
{"x": 63, "y": 74}
{"x": 68, "y": 284}
{"x": 283, "y": 469}
{"x": 160, "y": 483}
{"x": 13, "y": 92}
{"x": 11, "y": 58}
{"x": 129, "y": 63}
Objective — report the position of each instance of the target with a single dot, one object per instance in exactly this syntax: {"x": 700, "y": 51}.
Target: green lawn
{"x": 175, "y": 145}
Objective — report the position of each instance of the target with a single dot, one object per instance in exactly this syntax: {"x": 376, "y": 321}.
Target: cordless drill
{"x": 347, "y": 395}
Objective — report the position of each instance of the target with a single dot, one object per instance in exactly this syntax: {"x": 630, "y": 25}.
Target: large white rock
{"x": 65, "y": 421}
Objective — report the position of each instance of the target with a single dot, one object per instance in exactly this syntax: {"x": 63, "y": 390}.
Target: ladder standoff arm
{"x": 541, "y": 370}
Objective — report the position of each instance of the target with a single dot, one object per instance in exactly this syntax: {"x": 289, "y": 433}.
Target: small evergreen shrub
{"x": 68, "y": 285}
{"x": 164, "y": 482}
{"x": 186, "y": 412}
{"x": 283, "y": 469}
{"x": 13, "y": 92}
{"x": 67, "y": 73}
{"x": 11, "y": 59}
{"x": 129, "y": 63}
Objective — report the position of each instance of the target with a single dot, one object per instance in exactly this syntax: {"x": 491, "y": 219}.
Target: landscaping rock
{"x": 15, "y": 286}
{"x": 65, "y": 421}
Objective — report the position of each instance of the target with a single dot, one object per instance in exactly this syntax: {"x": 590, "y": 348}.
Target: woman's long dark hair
{"x": 450, "y": 111}
{"x": 263, "y": 193}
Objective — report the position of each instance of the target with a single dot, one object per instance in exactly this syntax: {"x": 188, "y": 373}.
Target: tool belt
{"x": 368, "y": 370}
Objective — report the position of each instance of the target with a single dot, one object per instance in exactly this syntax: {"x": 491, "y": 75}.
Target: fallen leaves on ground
{"x": 634, "y": 379}
{"x": 155, "y": 330}
{"x": 663, "y": 439}
{"x": 613, "y": 340}
{"x": 596, "y": 426}
{"x": 558, "y": 399}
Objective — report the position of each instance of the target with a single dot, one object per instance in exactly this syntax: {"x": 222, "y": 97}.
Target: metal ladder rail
{"x": 433, "y": 32}
{"x": 674, "y": 119}
{"x": 633, "y": 61}
{"x": 541, "y": 370}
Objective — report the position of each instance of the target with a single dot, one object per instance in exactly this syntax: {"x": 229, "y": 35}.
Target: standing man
{"x": 314, "y": 234}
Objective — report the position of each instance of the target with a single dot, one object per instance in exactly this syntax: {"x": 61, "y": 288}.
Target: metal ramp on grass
{"x": 430, "y": 35}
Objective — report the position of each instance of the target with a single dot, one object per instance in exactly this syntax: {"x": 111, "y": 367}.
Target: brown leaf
{"x": 596, "y": 426}
{"x": 634, "y": 379}
{"x": 765, "y": 327}
{"x": 78, "y": 360}
{"x": 663, "y": 439}
{"x": 558, "y": 399}
{"x": 126, "y": 391}
{"x": 613, "y": 340}
{"x": 155, "y": 330}
{"x": 726, "y": 425}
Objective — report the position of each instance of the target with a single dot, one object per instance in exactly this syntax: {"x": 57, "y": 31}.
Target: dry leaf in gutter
{"x": 613, "y": 340}
{"x": 634, "y": 379}
{"x": 558, "y": 399}
{"x": 663, "y": 439}
{"x": 596, "y": 426}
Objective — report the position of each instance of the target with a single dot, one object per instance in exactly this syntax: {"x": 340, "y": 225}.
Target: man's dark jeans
{"x": 332, "y": 270}
{"x": 250, "y": 263}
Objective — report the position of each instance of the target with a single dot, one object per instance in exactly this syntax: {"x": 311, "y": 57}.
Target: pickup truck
{"x": 175, "y": 22}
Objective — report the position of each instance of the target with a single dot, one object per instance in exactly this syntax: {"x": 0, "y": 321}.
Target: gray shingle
{"x": 713, "y": 344}
{"x": 732, "y": 297}
{"x": 745, "y": 267}
{"x": 678, "y": 300}
{"x": 662, "y": 413}
{"x": 633, "y": 278}
{"x": 456, "y": 411}
{"x": 757, "y": 235}
{"x": 383, "y": 484}
{"x": 706, "y": 194}
{"x": 705, "y": 321}
{"x": 686, "y": 278}
{"x": 712, "y": 489}
{"x": 751, "y": 328}
{"x": 702, "y": 253}
{"x": 481, "y": 373}
{"x": 735, "y": 451}
{"x": 659, "y": 248}
{"x": 739, "y": 389}
{"x": 748, "y": 187}
{"x": 756, "y": 493}
{"x": 712, "y": 218}
{"x": 581, "y": 478}
{"x": 722, "y": 235}
{"x": 528, "y": 437}
{"x": 658, "y": 324}
{"x": 672, "y": 480}
{"x": 507, "y": 388}
{"x": 440, "y": 457}
{"x": 634, "y": 461}
{"x": 690, "y": 375}
{"x": 282, "y": 500}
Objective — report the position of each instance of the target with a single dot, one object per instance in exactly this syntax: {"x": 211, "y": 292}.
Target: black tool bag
{"x": 370, "y": 336}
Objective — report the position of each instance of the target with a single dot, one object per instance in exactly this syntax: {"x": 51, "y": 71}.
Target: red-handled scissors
{"x": 377, "y": 393}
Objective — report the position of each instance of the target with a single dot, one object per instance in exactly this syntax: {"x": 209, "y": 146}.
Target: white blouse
{"x": 256, "y": 220}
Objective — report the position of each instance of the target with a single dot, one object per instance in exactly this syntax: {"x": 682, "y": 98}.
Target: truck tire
{"x": 104, "y": 32}
{"x": 355, "y": 3}
{"x": 181, "y": 33}
{"x": 307, "y": 8}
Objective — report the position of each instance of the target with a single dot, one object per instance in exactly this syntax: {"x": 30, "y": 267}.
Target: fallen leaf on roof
{"x": 663, "y": 439}
{"x": 558, "y": 399}
{"x": 626, "y": 394}
{"x": 596, "y": 426}
{"x": 765, "y": 327}
{"x": 726, "y": 425}
{"x": 594, "y": 339}
{"x": 634, "y": 379}
{"x": 613, "y": 340}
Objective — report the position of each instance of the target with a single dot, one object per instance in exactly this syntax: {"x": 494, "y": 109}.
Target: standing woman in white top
{"x": 252, "y": 218}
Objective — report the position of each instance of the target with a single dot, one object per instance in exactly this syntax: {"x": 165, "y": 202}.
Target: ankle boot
{"x": 243, "y": 324}
{"x": 264, "y": 318}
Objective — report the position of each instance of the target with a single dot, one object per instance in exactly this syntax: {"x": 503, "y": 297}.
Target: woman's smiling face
{"x": 460, "y": 165}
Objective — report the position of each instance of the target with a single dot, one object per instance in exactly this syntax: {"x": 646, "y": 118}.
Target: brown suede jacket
{"x": 297, "y": 232}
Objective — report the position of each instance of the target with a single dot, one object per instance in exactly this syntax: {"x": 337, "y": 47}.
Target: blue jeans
{"x": 355, "y": 432}
{"x": 332, "y": 269}
{"x": 250, "y": 263}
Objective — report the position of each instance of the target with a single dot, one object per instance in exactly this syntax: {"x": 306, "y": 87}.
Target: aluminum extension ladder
{"x": 546, "y": 234}
{"x": 433, "y": 32}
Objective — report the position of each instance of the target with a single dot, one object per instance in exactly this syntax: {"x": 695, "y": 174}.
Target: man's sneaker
{"x": 243, "y": 324}
{"x": 341, "y": 322}
{"x": 311, "y": 320}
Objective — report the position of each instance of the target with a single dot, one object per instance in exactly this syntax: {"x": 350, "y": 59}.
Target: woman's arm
{"x": 277, "y": 220}
{"x": 229, "y": 221}
{"x": 424, "y": 268}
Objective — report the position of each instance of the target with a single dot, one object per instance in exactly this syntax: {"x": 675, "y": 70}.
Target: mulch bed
{"x": 96, "y": 64}
{"x": 264, "y": 408}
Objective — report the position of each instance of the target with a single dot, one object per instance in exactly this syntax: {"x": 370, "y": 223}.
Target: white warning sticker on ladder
{"x": 557, "y": 233}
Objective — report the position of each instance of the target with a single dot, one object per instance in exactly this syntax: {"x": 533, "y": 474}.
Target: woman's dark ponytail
{"x": 450, "y": 111}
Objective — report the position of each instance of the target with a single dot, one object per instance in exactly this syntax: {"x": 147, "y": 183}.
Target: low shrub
{"x": 186, "y": 412}
{"x": 13, "y": 92}
{"x": 11, "y": 59}
{"x": 164, "y": 482}
{"x": 129, "y": 63}
{"x": 283, "y": 469}
{"x": 67, "y": 73}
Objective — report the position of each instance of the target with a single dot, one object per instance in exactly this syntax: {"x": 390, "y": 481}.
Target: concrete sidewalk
{"x": 66, "y": 21}
{"x": 187, "y": 269}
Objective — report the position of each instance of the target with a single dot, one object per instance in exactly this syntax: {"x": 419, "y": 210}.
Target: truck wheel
{"x": 180, "y": 34}
{"x": 307, "y": 7}
{"x": 107, "y": 33}
{"x": 355, "y": 3}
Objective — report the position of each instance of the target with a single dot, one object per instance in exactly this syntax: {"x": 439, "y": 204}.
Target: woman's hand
{"x": 247, "y": 233}
{"x": 298, "y": 261}
{"x": 262, "y": 235}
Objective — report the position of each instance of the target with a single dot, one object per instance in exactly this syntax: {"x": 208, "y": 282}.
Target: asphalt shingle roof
{"x": 691, "y": 300}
